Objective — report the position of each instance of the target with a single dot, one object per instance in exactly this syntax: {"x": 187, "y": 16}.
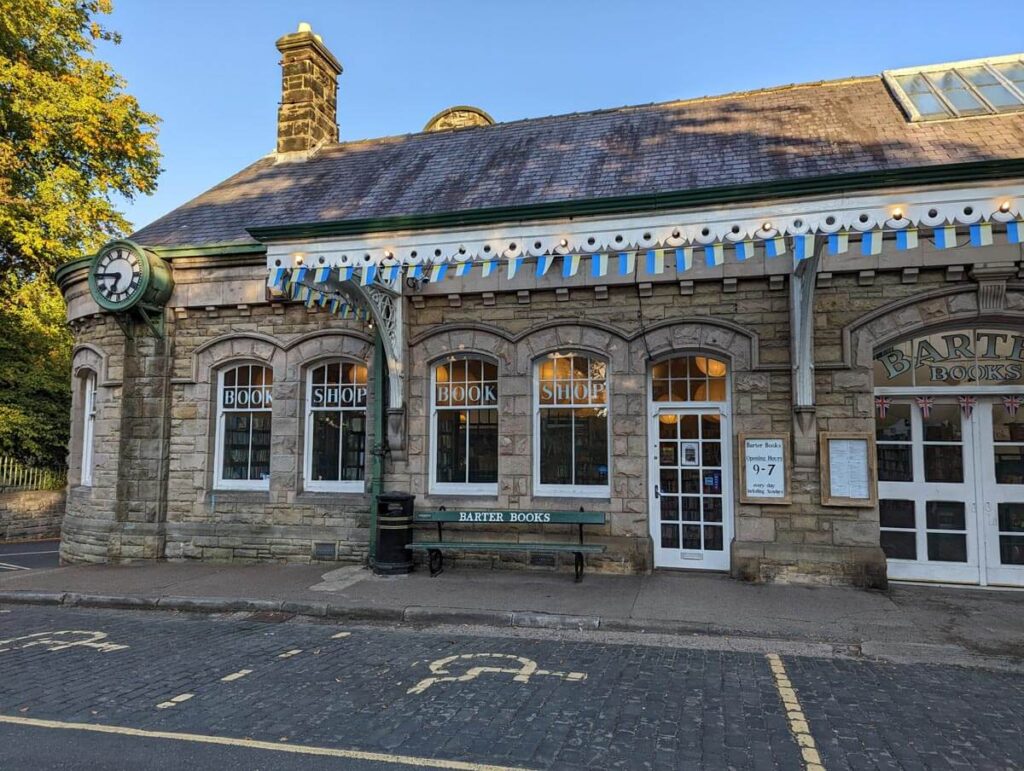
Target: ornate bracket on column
{"x": 384, "y": 301}
{"x": 801, "y": 318}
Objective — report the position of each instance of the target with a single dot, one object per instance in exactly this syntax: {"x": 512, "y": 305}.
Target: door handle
{"x": 657, "y": 491}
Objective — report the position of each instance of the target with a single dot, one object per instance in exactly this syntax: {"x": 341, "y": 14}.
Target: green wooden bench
{"x": 442, "y": 516}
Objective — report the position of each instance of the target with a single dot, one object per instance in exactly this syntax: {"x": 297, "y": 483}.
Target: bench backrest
{"x": 481, "y": 517}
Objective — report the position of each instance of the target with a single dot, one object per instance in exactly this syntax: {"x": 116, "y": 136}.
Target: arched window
{"x": 464, "y": 420}
{"x": 88, "y": 426}
{"x": 571, "y": 426}
{"x": 335, "y": 449}
{"x": 244, "y": 402}
{"x": 689, "y": 379}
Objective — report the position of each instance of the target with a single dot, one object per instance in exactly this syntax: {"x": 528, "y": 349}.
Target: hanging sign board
{"x": 847, "y": 469}
{"x": 764, "y": 468}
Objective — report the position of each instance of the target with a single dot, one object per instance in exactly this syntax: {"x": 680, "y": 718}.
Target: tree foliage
{"x": 72, "y": 144}
{"x": 35, "y": 374}
{"x": 71, "y": 139}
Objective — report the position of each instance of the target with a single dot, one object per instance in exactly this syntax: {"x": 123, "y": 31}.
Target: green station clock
{"x": 124, "y": 277}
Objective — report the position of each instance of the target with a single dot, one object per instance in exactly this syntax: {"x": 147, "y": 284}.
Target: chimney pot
{"x": 308, "y": 114}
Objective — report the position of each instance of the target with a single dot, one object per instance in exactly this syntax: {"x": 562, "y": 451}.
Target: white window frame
{"x": 88, "y": 428}
{"x": 219, "y": 483}
{"x": 569, "y": 491}
{"x": 320, "y": 485}
{"x": 479, "y": 489}
{"x": 891, "y": 78}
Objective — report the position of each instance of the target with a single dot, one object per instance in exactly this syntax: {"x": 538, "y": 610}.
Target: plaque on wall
{"x": 764, "y": 468}
{"x": 847, "y": 469}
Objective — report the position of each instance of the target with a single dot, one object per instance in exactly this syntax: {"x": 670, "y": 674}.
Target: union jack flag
{"x": 1012, "y": 404}
{"x": 882, "y": 404}
{"x": 925, "y": 403}
{"x": 967, "y": 405}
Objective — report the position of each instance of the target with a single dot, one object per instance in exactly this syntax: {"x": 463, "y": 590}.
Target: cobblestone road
{"x": 538, "y": 703}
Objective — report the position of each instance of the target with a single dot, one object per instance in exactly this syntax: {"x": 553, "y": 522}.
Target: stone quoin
{"x": 584, "y": 311}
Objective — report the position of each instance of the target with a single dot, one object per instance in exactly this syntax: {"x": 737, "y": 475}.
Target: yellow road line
{"x": 227, "y": 741}
{"x": 289, "y": 654}
{"x": 236, "y": 675}
{"x": 795, "y": 714}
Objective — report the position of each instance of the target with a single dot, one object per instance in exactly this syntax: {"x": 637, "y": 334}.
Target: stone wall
{"x": 27, "y": 515}
{"x": 153, "y": 485}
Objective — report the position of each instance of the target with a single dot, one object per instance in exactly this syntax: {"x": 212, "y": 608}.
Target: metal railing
{"x": 17, "y": 476}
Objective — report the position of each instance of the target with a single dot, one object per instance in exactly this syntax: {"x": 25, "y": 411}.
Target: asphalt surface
{"x": 29, "y": 555}
{"x": 552, "y": 701}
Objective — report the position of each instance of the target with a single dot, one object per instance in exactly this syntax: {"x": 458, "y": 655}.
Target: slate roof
{"x": 786, "y": 133}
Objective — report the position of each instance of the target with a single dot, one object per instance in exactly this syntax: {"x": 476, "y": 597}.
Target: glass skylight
{"x": 960, "y": 89}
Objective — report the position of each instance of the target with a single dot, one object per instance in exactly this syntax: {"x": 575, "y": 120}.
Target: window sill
{"x": 345, "y": 488}
{"x": 465, "y": 491}
{"x": 572, "y": 491}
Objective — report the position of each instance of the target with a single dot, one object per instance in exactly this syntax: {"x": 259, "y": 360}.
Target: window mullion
{"x": 970, "y": 87}
{"x": 1004, "y": 81}
{"x": 937, "y": 93}
{"x": 467, "y": 446}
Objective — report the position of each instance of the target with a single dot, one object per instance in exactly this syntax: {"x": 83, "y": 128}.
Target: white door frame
{"x": 690, "y": 559}
{"x": 990, "y": 495}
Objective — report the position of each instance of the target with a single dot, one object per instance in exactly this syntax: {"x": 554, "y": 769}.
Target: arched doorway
{"x": 690, "y": 466}
{"x": 949, "y": 432}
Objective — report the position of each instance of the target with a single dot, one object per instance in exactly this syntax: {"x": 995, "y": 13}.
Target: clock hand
{"x": 107, "y": 275}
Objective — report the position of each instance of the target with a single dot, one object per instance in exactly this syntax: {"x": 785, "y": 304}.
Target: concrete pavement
{"x": 907, "y": 622}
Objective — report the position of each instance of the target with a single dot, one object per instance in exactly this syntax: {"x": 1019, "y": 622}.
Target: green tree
{"x": 35, "y": 374}
{"x": 72, "y": 144}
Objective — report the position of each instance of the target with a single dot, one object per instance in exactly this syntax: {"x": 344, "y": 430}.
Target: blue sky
{"x": 209, "y": 68}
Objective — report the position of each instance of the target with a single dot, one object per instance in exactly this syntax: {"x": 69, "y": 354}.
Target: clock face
{"x": 118, "y": 276}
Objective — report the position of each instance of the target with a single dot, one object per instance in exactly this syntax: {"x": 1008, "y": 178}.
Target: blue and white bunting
{"x": 981, "y": 234}
{"x": 276, "y": 278}
{"x": 438, "y": 272}
{"x": 321, "y": 274}
{"x": 945, "y": 237}
{"x": 838, "y": 243}
{"x": 803, "y": 246}
{"x": 871, "y": 242}
{"x": 627, "y": 263}
{"x": 391, "y": 271}
{"x": 345, "y": 273}
{"x": 487, "y": 266}
{"x": 744, "y": 250}
{"x": 655, "y": 262}
{"x": 414, "y": 271}
{"x": 369, "y": 273}
{"x": 775, "y": 246}
{"x": 906, "y": 239}
{"x": 462, "y": 268}
{"x": 714, "y": 255}
{"x": 543, "y": 264}
{"x": 1015, "y": 232}
{"x": 598, "y": 265}
{"x": 684, "y": 259}
{"x": 570, "y": 265}
{"x": 514, "y": 264}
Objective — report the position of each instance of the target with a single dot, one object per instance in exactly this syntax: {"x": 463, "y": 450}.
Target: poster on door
{"x": 764, "y": 468}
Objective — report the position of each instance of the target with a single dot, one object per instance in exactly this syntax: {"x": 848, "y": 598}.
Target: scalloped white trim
{"x": 930, "y": 209}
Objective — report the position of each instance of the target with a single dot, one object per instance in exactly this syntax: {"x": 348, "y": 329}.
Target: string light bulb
{"x": 563, "y": 243}
{"x": 1004, "y": 207}
{"x": 766, "y": 226}
{"x": 298, "y": 260}
{"x": 897, "y": 213}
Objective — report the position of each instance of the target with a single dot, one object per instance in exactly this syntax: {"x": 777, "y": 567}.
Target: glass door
{"x": 927, "y": 492}
{"x": 691, "y": 494}
{"x": 1000, "y": 425}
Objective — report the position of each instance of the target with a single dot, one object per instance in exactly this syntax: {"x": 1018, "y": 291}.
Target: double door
{"x": 951, "y": 488}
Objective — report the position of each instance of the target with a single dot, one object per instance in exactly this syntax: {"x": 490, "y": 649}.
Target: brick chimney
{"x": 308, "y": 115}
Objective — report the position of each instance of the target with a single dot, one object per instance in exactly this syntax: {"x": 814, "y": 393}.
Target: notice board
{"x": 847, "y": 468}
{"x": 764, "y": 468}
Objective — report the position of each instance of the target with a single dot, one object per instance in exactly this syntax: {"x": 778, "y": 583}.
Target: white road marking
{"x": 8, "y": 566}
{"x": 27, "y": 553}
{"x": 175, "y": 700}
{"x": 226, "y": 741}
{"x": 340, "y": 635}
{"x": 236, "y": 675}
{"x": 289, "y": 654}
{"x": 797, "y": 719}
{"x": 59, "y": 641}
{"x": 527, "y": 669}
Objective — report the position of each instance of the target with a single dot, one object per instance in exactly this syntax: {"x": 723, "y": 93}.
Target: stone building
{"x": 778, "y": 333}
